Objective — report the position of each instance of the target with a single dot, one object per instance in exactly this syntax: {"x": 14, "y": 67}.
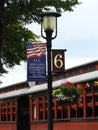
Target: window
{"x": 77, "y": 71}
{"x": 65, "y": 113}
{"x": 89, "y": 99}
{"x": 80, "y": 112}
{"x": 96, "y": 89}
{"x": 89, "y": 112}
{"x": 70, "y": 73}
{"x": 8, "y": 111}
{"x": 96, "y": 98}
{"x": 96, "y": 111}
{"x": 85, "y": 69}
{"x": 59, "y": 114}
{"x": 73, "y": 113}
{"x": 92, "y": 67}
{"x": 34, "y": 113}
{"x": 89, "y": 90}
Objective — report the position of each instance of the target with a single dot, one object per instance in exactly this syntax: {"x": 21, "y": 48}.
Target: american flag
{"x": 35, "y": 49}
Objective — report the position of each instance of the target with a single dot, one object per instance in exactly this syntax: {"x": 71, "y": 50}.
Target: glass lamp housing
{"x": 49, "y": 23}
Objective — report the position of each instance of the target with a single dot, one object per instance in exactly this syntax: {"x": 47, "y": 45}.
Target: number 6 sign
{"x": 58, "y": 60}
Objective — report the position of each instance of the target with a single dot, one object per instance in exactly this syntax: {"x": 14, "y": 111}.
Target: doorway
{"x": 23, "y": 117}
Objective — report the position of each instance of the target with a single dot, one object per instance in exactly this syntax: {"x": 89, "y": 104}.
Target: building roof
{"x": 42, "y": 87}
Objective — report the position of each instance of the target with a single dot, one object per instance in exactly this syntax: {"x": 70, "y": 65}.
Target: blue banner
{"x": 36, "y": 61}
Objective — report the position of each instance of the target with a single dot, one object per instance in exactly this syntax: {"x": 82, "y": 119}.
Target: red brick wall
{"x": 8, "y": 127}
{"x": 68, "y": 126}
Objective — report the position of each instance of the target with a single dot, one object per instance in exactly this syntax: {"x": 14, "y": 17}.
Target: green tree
{"x": 14, "y": 15}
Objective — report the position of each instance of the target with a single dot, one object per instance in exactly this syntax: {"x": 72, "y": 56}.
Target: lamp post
{"x": 49, "y": 32}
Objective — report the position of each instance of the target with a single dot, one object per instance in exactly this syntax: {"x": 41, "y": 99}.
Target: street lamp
{"x": 49, "y": 32}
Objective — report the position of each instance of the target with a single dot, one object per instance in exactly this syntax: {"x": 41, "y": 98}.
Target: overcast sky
{"x": 77, "y": 32}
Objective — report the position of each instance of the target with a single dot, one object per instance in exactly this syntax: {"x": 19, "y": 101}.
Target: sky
{"x": 77, "y": 32}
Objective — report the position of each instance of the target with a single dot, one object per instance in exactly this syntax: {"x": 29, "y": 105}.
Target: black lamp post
{"x": 49, "y": 32}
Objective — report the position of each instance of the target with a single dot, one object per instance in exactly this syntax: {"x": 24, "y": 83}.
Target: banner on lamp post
{"x": 36, "y": 61}
{"x": 58, "y": 60}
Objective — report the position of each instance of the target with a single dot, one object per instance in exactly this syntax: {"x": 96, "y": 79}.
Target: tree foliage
{"x": 14, "y": 15}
